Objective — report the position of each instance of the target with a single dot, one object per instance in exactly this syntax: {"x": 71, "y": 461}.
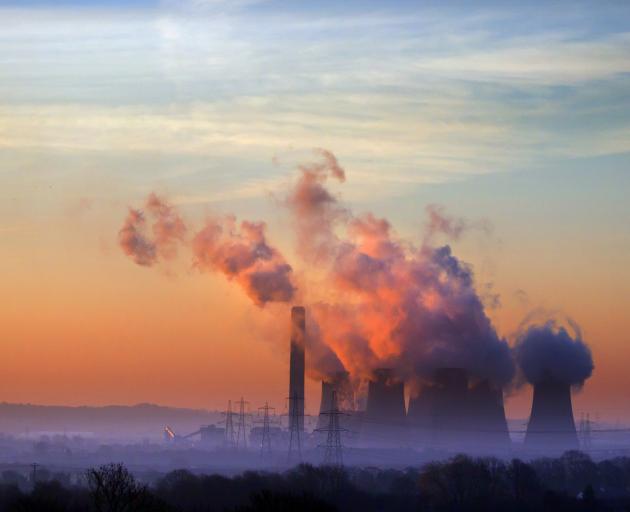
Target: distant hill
{"x": 142, "y": 421}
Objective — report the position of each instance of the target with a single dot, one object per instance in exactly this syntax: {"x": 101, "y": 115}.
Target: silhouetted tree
{"x": 462, "y": 483}
{"x": 524, "y": 485}
{"x": 114, "y": 489}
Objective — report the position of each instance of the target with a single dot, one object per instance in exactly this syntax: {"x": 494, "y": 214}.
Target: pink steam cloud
{"x": 242, "y": 254}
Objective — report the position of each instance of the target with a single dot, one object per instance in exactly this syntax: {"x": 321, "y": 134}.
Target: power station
{"x": 451, "y": 411}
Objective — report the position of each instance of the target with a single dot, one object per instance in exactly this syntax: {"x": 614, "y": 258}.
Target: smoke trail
{"x": 439, "y": 222}
{"x": 133, "y": 240}
{"x": 390, "y": 304}
{"x": 549, "y": 351}
{"x": 167, "y": 229}
{"x": 315, "y": 209}
{"x": 239, "y": 252}
{"x": 242, "y": 253}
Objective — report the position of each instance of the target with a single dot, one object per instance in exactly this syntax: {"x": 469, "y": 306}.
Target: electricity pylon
{"x": 241, "y": 434}
{"x": 229, "y": 439}
{"x": 333, "y": 449}
{"x": 265, "y": 443}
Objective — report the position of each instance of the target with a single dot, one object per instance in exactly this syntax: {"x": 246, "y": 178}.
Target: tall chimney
{"x": 551, "y": 426}
{"x": 296, "y": 367}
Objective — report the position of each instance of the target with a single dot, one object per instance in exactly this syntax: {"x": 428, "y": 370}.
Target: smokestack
{"x": 384, "y": 419}
{"x": 551, "y": 425}
{"x": 296, "y": 368}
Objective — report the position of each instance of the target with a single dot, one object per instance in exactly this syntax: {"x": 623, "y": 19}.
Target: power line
{"x": 422, "y": 426}
{"x": 333, "y": 449}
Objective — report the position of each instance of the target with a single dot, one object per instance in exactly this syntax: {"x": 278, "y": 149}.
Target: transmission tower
{"x": 585, "y": 432}
{"x": 241, "y": 434}
{"x": 296, "y": 420}
{"x": 229, "y": 439}
{"x": 265, "y": 443}
{"x": 333, "y": 449}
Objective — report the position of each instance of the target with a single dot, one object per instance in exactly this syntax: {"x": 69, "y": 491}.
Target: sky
{"x": 517, "y": 116}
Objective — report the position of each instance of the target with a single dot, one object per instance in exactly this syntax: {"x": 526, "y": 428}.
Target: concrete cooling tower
{"x": 296, "y": 367}
{"x": 421, "y": 417}
{"x": 449, "y": 406}
{"x": 339, "y": 383}
{"x": 488, "y": 424}
{"x": 449, "y": 414}
{"x": 551, "y": 427}
{"x": 384, "y": 420}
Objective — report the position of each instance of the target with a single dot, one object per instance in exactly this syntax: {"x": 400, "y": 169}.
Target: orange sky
{"x": 523, "y": 125}
{"x": 83, "y": 325}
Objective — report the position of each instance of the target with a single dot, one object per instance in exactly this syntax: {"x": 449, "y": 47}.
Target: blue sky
{"x": 406, "y": 93}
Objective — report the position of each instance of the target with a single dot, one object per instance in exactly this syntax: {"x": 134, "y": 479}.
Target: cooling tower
{"x": 340, "y": 383}
{"x": 486, "y": 418}
{"x": 451, "y": 415}
{"x": 551, "y": 427}
{"x": 420, "y": 417}
{"x": 450, "y": 407}
{"x": 384, "y": 419}
{"x": 386, "y": 397}
{"x": 296, "y": 367}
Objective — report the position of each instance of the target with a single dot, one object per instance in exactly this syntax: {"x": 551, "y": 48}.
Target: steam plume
{"x": 314, "y": 208}
{"x": 549, "y": 351}
{"x": 390, "y": 304}
{"x": 167, "y": 229}
{"x": 239, "y": 252}
{"x": 242, "y": 253}
{"x": 133, "y": 240}
{"x": 439, "y": 222}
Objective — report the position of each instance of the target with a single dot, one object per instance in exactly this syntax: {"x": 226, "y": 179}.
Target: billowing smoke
{"x": 242, "y": 254}
{"x": 549, "y": 351}
{"x": 315, "y": 209}
{"x": 388, "y": 303}
{"x": 439, "y": 222}
{"x": 374, "y": 299}
{"x": 133, "y": 240}
{"x": 167, "y": 229}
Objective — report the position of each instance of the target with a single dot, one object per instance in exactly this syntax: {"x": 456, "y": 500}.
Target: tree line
{"x": 573, "y": 482}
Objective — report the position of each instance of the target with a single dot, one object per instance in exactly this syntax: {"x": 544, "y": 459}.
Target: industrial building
{"x": 452, "y": 411}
